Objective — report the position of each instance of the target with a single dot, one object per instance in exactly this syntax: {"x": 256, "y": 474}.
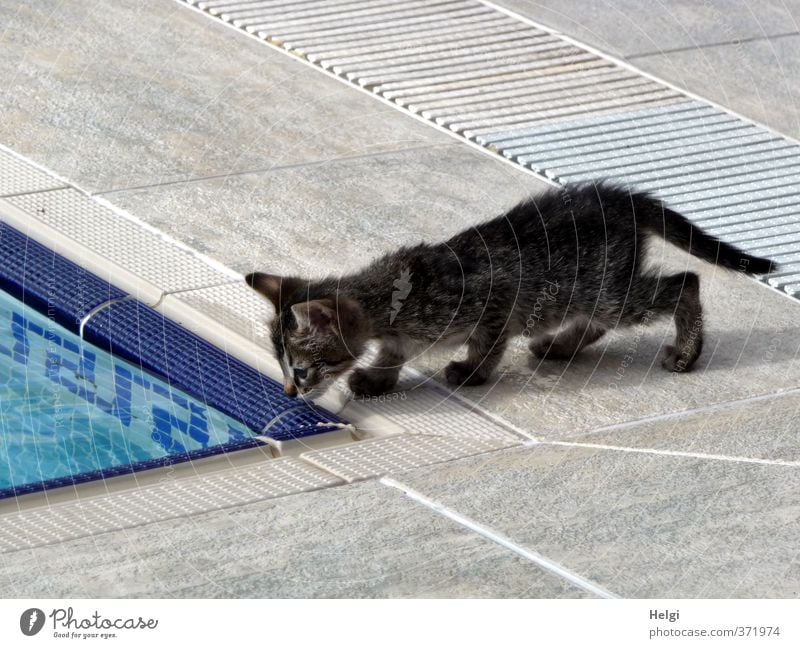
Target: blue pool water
{"x": 68, "y": 409}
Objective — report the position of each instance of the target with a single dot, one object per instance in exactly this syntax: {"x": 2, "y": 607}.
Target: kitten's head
{"x": 315, "y": 339}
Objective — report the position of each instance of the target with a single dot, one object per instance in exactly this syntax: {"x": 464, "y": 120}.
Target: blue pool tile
{"x": 139, "y": 334}
{"x": 47, "y": 282}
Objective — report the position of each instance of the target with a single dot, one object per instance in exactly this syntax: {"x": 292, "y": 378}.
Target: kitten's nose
{"x": 290, "y": 390}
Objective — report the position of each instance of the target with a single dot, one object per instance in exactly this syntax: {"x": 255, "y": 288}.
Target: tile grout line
{"x": 22, "y": 158}
{"x": 118, "y": 211}
{"x": 697, "y": 410}
{"x": 17, "y": 194}
{"x": 529, "y": 439}
{"x": 275, "y": 168}
{"x": 674, "y": 453}
{"x": 698, "y": 47}
{"x": 532, "y": 556}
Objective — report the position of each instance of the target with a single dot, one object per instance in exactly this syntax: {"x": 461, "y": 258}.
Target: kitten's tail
{"x": 679, "y": 230}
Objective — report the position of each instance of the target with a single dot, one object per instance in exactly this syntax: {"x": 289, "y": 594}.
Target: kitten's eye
{"x": 300, "y": 372}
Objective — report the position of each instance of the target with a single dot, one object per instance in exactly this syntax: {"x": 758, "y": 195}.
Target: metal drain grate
{"x": 550, "y": 105}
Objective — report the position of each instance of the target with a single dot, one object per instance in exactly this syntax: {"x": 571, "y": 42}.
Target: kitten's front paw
{"x": 371, "y": 382}
{"x": 461, "y": 373}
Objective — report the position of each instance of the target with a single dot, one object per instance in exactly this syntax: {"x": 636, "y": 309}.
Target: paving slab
{"x": 333, "y": 217}
{"x": 132, "y": 93}
{"x": 365, "y": 540}
{"x": 639, "y": 525}
{"x": 758, "y": 79}
{"x": 629, "y": 27}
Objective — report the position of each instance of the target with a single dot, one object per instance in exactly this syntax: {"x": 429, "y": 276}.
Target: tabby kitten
{"x": 561, "y": 268}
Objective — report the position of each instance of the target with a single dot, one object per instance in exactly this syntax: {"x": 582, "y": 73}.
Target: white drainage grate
{"x": 161, "y": 265}
{"x": 423, "y": 406}
{"x": 18, "y": 176}
{"x": 551, "y": 105}
{"x": 235, "y": 307}
{"x": 170, "y": 499}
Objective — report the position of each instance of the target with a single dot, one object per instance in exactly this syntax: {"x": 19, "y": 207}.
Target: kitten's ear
{"x": 315, "y": 315}
{"x": 331, "y": 315}
{"x": 273, "y": 287}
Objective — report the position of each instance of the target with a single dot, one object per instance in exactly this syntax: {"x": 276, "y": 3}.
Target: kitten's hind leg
{"x": 688, "y": 323}
{"x": 384, "y": 372}
{"x": 679, "y": 295}
{"x": 484, "y": 350}
{"x": 564, "y": 344}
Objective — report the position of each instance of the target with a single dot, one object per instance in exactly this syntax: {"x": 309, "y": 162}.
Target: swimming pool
{"x": 69, "y": 412}
{"x": 95, "y": 383}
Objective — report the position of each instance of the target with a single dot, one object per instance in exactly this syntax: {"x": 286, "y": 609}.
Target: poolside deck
{"x": 644, "y": 485}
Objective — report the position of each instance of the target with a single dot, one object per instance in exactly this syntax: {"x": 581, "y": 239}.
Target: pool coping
{"x": 73, "y": 298}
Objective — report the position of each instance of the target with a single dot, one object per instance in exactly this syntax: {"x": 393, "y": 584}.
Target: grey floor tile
{"x": 128, "y": 93}
{"x": 640, "y": 525}
{"x": 365, "y": 540}
{"x": 757, "y": 79}
{"x": 460, "y": 574}
{"x": 627, "y": 27}
{"x": 764, "y": 429}
{"x": 333, "y": 217}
